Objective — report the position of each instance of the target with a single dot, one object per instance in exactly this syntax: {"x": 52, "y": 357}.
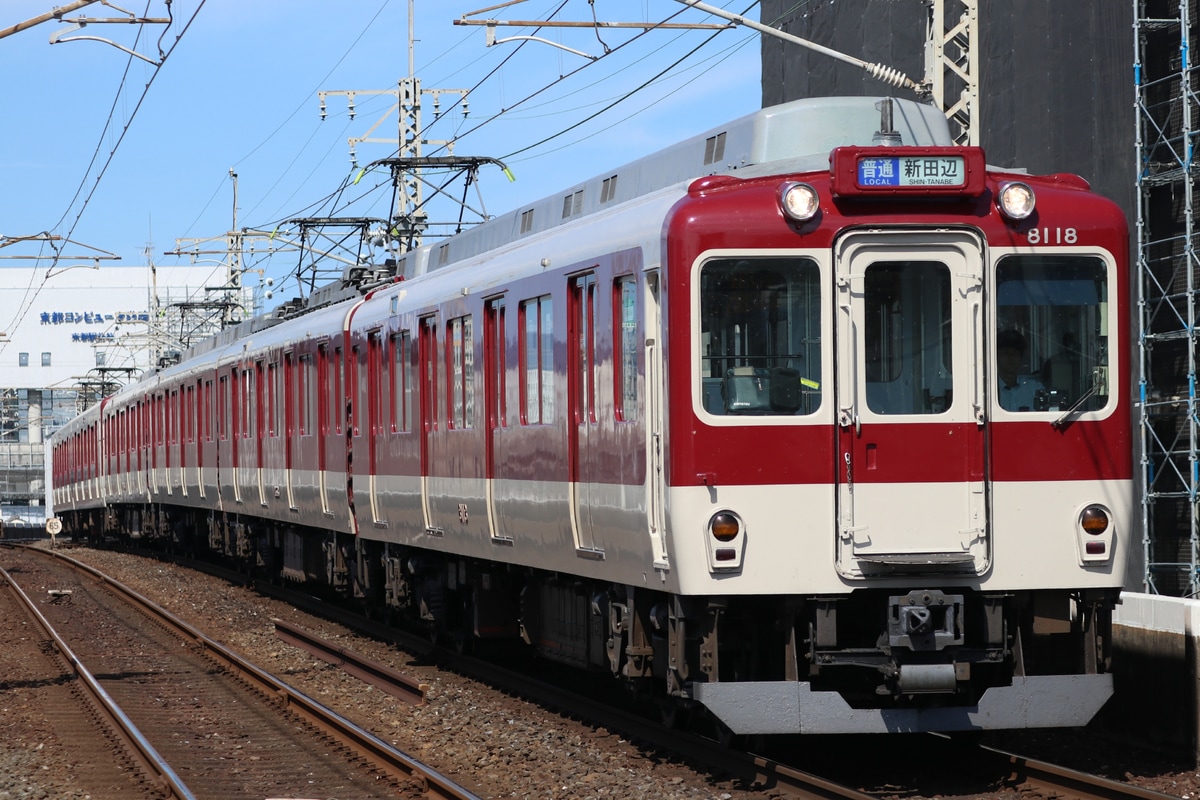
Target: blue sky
{"x": 240, "y": 90}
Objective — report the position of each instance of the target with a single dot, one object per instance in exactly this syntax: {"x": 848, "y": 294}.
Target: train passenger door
{"x": 655, "y": 473}
{"x": 427, "y": 347}
{"x": 495, "y": 418}
{"x": 910, "y": 403}
{"x": 375, "y": 405}
{"x": 584, "y": 441}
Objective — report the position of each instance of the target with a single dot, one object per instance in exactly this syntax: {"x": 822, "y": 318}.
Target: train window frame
{"x": 814, "y": 382}
{"x": 1038, "y": 342}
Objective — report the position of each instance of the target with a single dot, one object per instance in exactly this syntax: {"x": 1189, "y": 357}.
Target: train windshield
{"x": 1052, "y": 337}
{"x": 760, "y": 346}
{"x": 909, "y": 346}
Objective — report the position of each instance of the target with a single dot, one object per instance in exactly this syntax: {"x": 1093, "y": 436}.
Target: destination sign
{"x": 900, "y": 171}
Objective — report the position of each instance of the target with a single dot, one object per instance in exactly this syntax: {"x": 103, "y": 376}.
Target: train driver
{"x": 1017, "y": 391}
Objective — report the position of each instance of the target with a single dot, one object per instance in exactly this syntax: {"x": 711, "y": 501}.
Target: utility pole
{"x": 235, "y": 251}
{"x": 201, "y": 318}
{"x": 410, "y": 219}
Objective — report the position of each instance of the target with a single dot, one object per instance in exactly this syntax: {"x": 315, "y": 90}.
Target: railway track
{"x": 908, "y": 766}
{"x": 206, "y": 723}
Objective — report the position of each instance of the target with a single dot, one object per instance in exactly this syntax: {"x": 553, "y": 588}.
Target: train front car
{"x": 899, "y": 474}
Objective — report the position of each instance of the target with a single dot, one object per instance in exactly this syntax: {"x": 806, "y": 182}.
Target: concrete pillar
{"x": 34, "y": 415}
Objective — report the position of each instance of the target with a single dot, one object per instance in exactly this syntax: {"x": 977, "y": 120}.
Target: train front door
{"x": 910, "y": 386}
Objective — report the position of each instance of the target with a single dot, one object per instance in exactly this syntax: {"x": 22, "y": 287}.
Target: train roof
{"x": 794, "y": 137}
{"x": 801, "y": 132}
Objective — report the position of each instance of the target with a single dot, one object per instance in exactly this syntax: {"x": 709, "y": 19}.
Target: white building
{"x": 71, "y": 335}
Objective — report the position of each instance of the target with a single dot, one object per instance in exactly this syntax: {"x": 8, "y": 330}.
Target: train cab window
{"x": 760, "y": 336}
{"x": 907, "y": 337}
{"x": 1051, "y": 344}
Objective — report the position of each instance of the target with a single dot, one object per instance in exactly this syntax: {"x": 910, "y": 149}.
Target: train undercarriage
{"x": 933, "y": 647}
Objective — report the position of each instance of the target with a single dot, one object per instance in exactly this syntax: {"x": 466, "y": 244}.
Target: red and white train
{"x": 817, "y": 422}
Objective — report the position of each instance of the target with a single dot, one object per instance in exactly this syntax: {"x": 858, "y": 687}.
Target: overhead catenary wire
{"x": 508, "y": 109}
{"x": 23, "y": 311}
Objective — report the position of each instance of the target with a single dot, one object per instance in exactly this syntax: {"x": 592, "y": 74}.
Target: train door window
{"x": 273, "y": 404}
{"x": 336, "y": 397}
{"x": 495, "y": 358}
{"x": 306, "y": 399}
{"x": 206, "y": 417}
{"x": 907, "y": 333}
{"x": 247, "y": 404}
{"x": 583, "y": 317}
{"x": 236, "y": 419}
{"x": 175, "y": 424}
{"x": 376, "y": 382}
{"x": 290, "y": 396}
{"x": 760, "y": 336}
{"x": 625, "y": 323}
{"x": 1052, "y": 348}
{"x": 166, "y": 405}
{"x": 402, "y": 389}
{"x": 537, "y": 361}
{"x": 189, "y": 415}
{"x": 160, "y": 420}
{"x": 460, "y": 372}
{"x": 224, "y": 407}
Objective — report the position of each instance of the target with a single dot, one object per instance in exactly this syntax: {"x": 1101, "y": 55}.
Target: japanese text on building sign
{"x": 92, "y": 318}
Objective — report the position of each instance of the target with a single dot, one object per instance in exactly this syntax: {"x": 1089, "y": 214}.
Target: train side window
{"x": 537, "y": 361}
{"x": 625, "y": 323}
{"x": 760, "y": 336}
{"x": 460, "y": 352}
{"x": 403, "y": 388}
{"x": 1051, "y": 343}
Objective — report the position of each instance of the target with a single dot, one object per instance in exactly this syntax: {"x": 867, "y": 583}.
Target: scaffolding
{"x": 1168, "y": 118}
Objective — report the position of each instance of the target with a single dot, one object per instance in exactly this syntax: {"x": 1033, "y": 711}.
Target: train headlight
{"x": 799, "y": 201}
{"x": 726, "y": 541}
{"x": 1094, "y": 534}
{"x": 1016, "y": 200}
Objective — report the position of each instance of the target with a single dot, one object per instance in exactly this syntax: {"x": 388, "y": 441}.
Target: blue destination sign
{"x": 903, "y": 171}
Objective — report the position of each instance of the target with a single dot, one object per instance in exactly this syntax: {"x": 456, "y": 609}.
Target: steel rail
{"x": 378, "y": 675}
{"x": 1053, "y": 780}
{"x": 143, "y": 752}
{"x": 400, "y": 765}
